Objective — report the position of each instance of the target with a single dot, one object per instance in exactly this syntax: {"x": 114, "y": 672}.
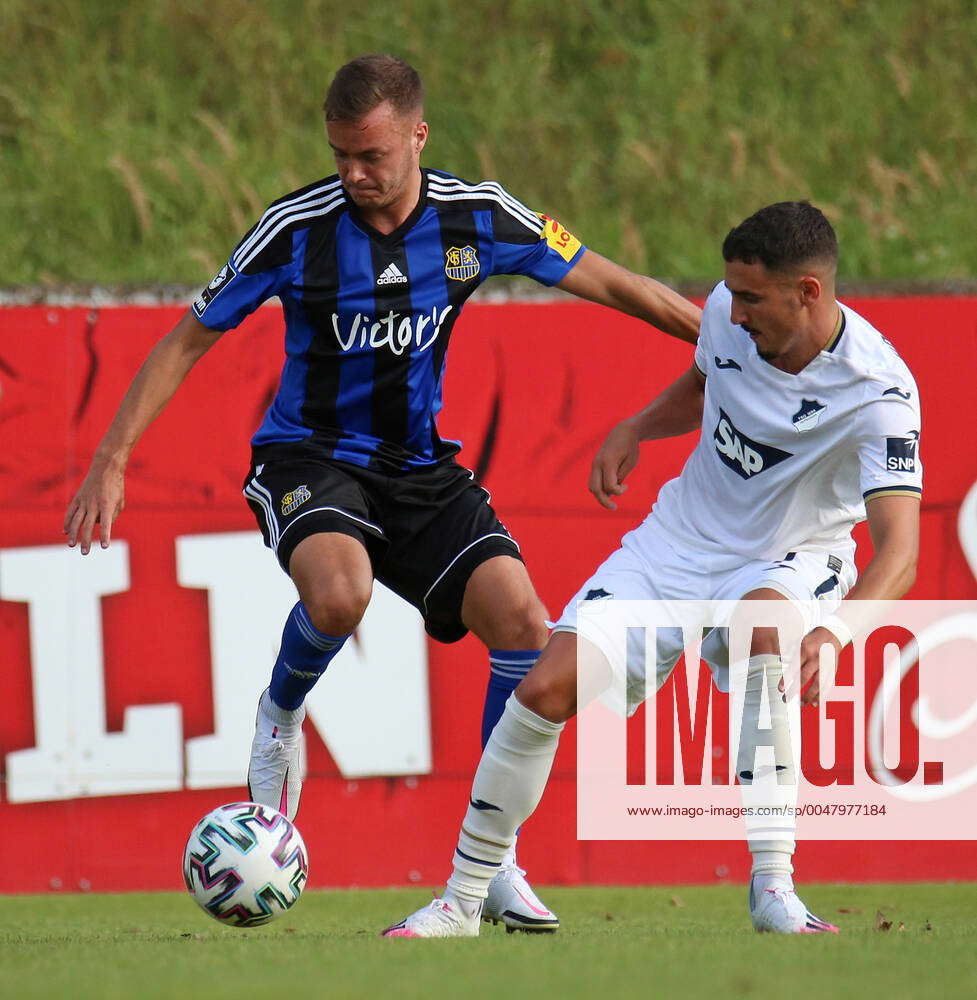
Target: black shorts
{"x": 425, "y": 531}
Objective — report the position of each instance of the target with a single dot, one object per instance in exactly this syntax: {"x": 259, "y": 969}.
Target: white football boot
{"x": 511, "y": 899}
{"x": 775, "y": 908}
{"x": 439, "y": 919}
{"x": 275, "y": 771}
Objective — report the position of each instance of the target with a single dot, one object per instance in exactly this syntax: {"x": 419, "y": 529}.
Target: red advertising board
{"x": 124, "y": 674}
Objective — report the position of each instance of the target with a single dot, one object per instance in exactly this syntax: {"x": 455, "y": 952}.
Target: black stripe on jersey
{"x": 513, "y": 222}
{"x": 320, "y": 276}
{"x": 389, "y": 418}
{"x": 265, "y": 243}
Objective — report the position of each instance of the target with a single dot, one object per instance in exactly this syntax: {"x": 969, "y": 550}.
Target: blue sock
{"x": 304, "y": 655}
{"x": 508, "y": 667}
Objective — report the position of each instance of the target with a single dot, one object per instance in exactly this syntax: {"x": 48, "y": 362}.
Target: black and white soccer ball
{"x": 245, "y": 864}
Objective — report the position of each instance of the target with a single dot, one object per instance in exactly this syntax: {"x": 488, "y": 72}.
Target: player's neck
{"x": 390, "y": 217}
{"x": 823, "y": 335}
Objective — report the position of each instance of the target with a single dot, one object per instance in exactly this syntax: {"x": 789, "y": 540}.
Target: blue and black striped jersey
{"x": 368, "y": 316}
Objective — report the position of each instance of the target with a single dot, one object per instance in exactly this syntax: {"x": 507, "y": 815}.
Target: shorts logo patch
{"x": 217, "y": 284}
{"x": 900, "y": 453}
{"x": 559, "y": 239}
{"x": 294, "y": 499}
{"x": 597, "y": 594}
{"x": 743, "y": 455}
{"x": 808, "y": 415}
{"x": 461, "y": 263}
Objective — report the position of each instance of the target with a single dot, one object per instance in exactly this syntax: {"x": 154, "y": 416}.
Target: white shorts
{"x": 649, "y": 567}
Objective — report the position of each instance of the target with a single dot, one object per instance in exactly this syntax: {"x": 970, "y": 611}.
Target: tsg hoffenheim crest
{"x": 461, "y": 264}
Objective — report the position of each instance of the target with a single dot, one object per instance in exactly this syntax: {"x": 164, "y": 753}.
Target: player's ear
{"x": 420, "y": 136}
{"x": 810, "y": 289}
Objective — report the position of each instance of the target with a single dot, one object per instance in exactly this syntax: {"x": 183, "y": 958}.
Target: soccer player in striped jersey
{"x": 350, "y": 481}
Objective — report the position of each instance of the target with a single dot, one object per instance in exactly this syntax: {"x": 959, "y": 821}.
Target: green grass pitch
{"x": 650, "y": 942}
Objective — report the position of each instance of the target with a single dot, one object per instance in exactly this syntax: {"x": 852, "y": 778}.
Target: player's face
{"x": 768, "y": 305}
{"x": 378, "y": 157}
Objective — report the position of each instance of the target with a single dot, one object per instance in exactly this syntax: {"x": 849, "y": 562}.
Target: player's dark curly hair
{"x": 782, "y": 237}
{"x": 368, "y": 81}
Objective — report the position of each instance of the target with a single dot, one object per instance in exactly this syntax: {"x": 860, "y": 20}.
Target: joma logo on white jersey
{"x": 395, "y": 332}
{"x": 743, "y": 455}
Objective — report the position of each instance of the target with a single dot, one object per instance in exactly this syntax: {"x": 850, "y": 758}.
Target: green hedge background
{"x": 140, "y": 138}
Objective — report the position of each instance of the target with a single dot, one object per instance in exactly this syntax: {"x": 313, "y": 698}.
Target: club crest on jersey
{"x": 743, "y": 455}
{"x": 294, "y": 499}
{"x": 597, "y": 594}
{"x": 461, "y": 263}
{"x": 900, "y": 453}
{"x": 808, "y": 415}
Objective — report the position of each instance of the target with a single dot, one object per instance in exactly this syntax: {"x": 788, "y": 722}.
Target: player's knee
{"x": 337, "y": 609}
{"x": 548, "y": 693}
{"x": 523, "y": 625}
{"x": 765, "y": 641}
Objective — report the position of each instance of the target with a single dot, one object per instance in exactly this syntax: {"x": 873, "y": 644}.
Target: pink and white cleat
{"x": 276, "y": 768}
{"x": 512, "y": 901}
{"x": 776, "y": 909}
{"x": 439, "y": 919}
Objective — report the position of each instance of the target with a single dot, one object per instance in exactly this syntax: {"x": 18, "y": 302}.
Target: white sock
{"x": 507, "y": 788}
{"x": 287, "y": 719}
{"x": 771, "y": 792}
{"x": 772, "y": 867}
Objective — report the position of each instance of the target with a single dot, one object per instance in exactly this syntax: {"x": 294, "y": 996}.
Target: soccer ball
{"x": 245, "y": 864}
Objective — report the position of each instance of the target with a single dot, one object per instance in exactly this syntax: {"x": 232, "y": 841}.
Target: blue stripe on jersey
{"x": 283, "y": 420}
{"x": 354, "y": 403}
{"x": 423, "y": 244}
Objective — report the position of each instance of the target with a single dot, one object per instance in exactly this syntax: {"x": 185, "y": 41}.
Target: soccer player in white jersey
{"x": 809, "y": 423}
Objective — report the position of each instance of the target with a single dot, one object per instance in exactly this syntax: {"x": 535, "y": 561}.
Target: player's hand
{"x": 617, "y": 456}
{"x": 810, "y": 665}
{"x": 99, "y": 500}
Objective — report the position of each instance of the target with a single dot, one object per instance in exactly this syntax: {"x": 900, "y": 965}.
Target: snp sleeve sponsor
{"x": 888, "y": 445}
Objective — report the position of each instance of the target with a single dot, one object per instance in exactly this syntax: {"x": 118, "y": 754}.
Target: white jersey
{"x": 785, "y": 462}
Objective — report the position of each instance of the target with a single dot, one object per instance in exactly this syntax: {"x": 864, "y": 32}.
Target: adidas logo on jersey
{"x": 392, "y": 275}
{"x": 743, "y": 455}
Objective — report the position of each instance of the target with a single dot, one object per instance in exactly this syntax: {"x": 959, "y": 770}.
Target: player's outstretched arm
{"x": 677, "y": 410}
{"x": 893, "y": 523}
{"x": 101, "y": 496}
{"x": 601, "y": 280}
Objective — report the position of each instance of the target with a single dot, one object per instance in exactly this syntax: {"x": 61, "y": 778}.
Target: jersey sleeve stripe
{"x": 272, "y": 215}
{"x": 515, "y": 208}
{"x": 484, "y": 196}
{"x": 453, "y": 190}
{"x": 241, "y": 262}
{"x": 893, "y": 491}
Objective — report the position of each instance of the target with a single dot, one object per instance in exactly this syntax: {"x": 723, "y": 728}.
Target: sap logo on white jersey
{"x": 900, "y": 453}
{"x": 743, "y": 455}
{"x": 395, "y": 332}
{"x": 392, "y": 275}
